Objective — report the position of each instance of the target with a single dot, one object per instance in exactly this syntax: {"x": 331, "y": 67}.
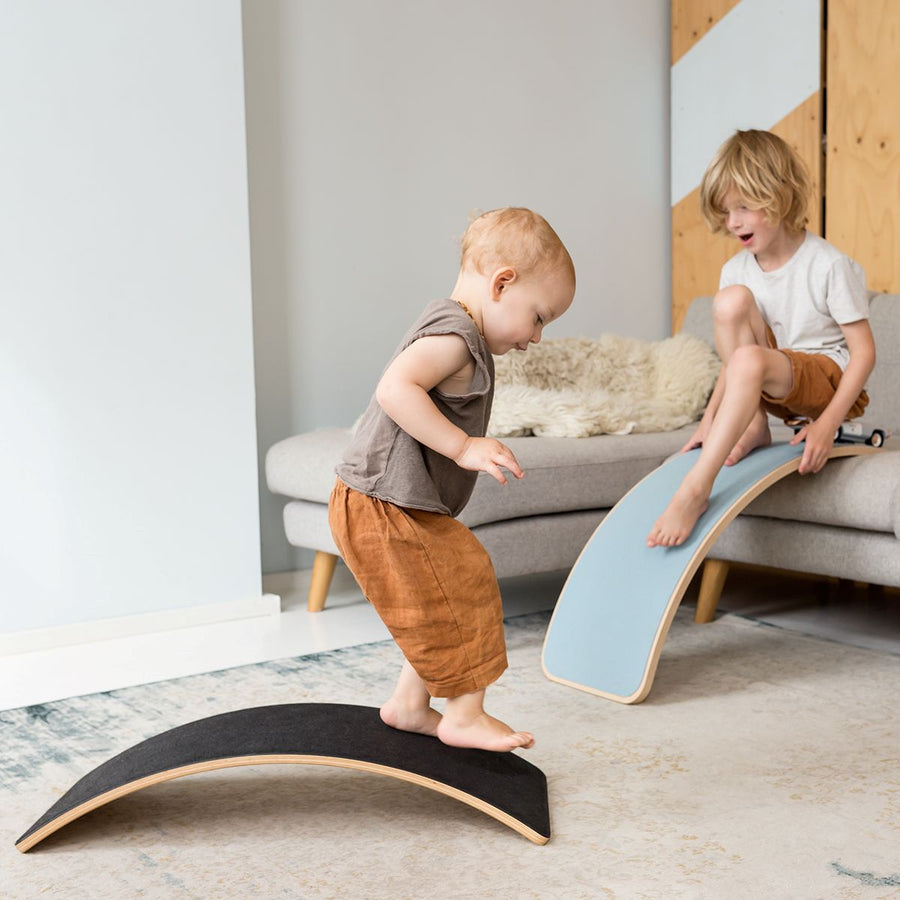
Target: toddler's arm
{"x": 819, "y": 435}
{"x": 403, "y": 395}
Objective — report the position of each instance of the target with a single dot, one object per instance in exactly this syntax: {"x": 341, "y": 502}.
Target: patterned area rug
{"x": 763, "y": 764}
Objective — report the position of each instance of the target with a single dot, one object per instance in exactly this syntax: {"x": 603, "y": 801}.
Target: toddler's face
{"x": 518, "y": 316}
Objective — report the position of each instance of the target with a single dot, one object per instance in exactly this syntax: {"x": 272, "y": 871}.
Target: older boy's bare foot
{"x": 481, "y": 731}
{"x": 677, "y": 522}
{"x": 756, "y": 435}
{"x": 422, "y": 720}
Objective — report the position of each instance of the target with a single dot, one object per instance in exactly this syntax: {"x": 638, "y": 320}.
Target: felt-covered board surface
{"x": 615, "y": 609}
{"x": 503, "y": 785}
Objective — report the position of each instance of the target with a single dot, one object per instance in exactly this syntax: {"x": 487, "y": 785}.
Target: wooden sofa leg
{"x": 323, "y": 570}
{"x": 715, "y": 571}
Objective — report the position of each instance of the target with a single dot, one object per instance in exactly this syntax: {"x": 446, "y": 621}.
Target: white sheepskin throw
{"x": 576, "y": 387}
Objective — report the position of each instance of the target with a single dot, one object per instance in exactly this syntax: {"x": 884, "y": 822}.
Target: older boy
{"x": 790, "y": 318}
{"x": 412, "y": 467}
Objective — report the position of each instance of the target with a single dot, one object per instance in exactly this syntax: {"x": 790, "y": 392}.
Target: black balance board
{"x": 502, "y": 785}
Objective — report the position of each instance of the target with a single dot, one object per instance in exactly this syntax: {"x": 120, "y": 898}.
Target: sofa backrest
{"x": 884, "y": 383}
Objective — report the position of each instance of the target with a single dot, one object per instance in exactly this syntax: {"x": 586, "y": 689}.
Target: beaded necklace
{"x": 466, "y": 310}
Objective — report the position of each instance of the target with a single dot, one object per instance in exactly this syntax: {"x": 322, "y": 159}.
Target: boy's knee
{"x": 733, "y": 303}
{"x": 748, "y": 363}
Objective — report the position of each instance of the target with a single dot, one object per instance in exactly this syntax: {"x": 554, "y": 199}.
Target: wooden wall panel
{"x": 697, "y": 254}
{"x": 802, "y": 129}
{"x": 862, "y": 212}
{"x": 691, "y": 19}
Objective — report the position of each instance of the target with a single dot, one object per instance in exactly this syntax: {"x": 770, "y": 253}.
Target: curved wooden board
{"x": 502, "y": 785}
{"x": 615, "y": 609}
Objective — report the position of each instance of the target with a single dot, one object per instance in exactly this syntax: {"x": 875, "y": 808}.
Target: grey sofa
{"x": 843, "y": 522}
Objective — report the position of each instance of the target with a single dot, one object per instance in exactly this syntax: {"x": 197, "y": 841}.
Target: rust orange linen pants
{"x": 432, "y": 584}
{"x": 815, "y": 379}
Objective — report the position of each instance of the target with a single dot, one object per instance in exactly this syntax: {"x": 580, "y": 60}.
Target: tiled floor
{"x": 851, "y": 615}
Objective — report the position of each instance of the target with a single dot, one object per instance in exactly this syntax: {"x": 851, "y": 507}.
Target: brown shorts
{"x": 815, "y": 379}
{"x": 432, "y": 584}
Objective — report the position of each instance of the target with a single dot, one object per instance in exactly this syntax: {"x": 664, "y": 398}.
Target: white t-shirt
{"x": 807, "y": 300}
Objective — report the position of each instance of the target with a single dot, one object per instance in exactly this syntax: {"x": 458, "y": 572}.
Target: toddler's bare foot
{"x": 420, "y": 719}
{"x": 756, "y": 435}
{"x": 409, "y": 708}
{"x": 677, "y": 522}
{"x": 481, "y": 731}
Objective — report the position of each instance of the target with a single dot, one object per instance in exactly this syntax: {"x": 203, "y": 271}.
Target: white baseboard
{"x": 57, "y": 636}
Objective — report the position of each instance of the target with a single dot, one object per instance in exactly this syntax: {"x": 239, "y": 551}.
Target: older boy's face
{"x": 518, "y": 316}
{"x": 750, "y": 226}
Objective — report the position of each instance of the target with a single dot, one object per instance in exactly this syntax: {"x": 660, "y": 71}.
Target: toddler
{"x": 412, "y": 466}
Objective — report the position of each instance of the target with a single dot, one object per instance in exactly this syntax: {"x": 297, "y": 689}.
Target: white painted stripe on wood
{"x": 754, "y": 66}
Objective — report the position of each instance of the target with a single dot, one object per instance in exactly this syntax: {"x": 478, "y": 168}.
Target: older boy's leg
{"x": 737, "y": 323}
{"x": 750, "y": 369}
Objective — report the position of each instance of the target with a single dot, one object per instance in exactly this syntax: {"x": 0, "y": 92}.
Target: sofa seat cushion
{"x": 569, "y": 474}
{"x": 561, "y": 474}
{"x": 303, "y": 466}
{"x": 511, "y": 544}
{"x": 856, "y": 492}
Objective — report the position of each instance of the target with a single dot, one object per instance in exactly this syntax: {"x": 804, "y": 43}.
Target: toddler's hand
{"x": 819, "y": 438}
{"x": 488, "y": 455}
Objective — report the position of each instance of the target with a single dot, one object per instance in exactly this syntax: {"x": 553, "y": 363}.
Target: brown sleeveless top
{"x": 383, "y": 461}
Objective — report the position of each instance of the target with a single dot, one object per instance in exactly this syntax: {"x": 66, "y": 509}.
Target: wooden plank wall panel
{"x": 697, "y": 254}
{"x": 862, "y": 214}
{"x": 706, "y": 109}
{"x": 802, "y": 129}
{"x": 691, "y": 19}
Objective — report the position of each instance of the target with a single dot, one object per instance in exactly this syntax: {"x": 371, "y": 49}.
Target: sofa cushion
{"x": 561, "y": 474}
{"x": 803, "y": 547}
{"x": 511, "y": 544}
{"x": 303, "y": 466}
{"x": 567, "y": 474}
{"x": 854, "y": 492}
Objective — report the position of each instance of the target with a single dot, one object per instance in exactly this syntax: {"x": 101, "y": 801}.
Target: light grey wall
{"x": 128, "y": 448}
{"x": 374, "y": 128}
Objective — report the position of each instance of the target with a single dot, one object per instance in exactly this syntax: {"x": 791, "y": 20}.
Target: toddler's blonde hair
{"x": 767, "y": 174}
{"x": 517, "y": 237}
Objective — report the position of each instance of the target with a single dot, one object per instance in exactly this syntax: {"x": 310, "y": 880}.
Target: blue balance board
{"x": 616, "y": 606}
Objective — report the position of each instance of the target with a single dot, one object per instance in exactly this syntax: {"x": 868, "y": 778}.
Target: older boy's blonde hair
{"x": 765, "y": 172}
{"x": 517, "y": 237}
